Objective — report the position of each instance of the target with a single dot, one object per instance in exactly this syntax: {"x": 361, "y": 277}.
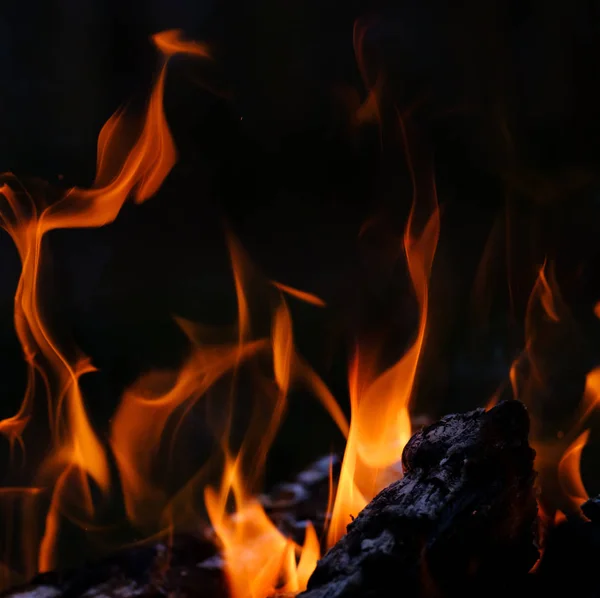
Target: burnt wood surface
{"x": 460, "y": 523}
{"x": 462, "y": 518}
{"x": 188, "y": 565}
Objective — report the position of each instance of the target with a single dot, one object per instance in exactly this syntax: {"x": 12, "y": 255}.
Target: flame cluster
{"x": 81, "y": 469}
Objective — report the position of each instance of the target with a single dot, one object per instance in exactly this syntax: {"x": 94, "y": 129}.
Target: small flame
{"x": 558, "y": 457}
{"x": 547, "y": 315}
{"x": 302, "y": 295}
{"x": 170, "y": 43}
{"x": 379, "y": 402}
{"x": 547, "y": 293}
{"x": 569, "y": 472}
{"x": 591, "y": 395}
{"x": 259, "y": 558}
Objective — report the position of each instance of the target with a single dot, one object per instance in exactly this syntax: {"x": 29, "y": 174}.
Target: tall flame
{"x": 569, "y": 471}
{"x": 557, "y": 458}
{"x": 77, "y": 455}
{"x": 379, "y": 401}
{"x": 259, "y": 559}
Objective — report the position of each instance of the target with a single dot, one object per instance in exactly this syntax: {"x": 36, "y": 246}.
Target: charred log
{"x": 464, "y": 510}
{"x": 189, "y": 564}
{"x": 461, "y": 520}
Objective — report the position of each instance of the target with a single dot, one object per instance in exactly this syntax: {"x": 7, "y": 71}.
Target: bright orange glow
{"x": 77, "y": 454}
{"x": 591, "y": 395}
{"x": 251, "y": 368}
{"x": 379, "y": 400}
{"x": 140, "y": 420}
{"x": 547, "y": 315}
{"x": 259, "y": 559}
{"x": 569, "y": 472}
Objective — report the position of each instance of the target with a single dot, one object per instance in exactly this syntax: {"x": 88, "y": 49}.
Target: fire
{"x": 139, "y": 423}
{"x": 77, "y": 458}
{"x": 258, "y": 557}
{"x": 559, "y": 457}
{"x": 570, "y": 474}
{"x": 81, "y": 468}
{"x": 379, "y": 401}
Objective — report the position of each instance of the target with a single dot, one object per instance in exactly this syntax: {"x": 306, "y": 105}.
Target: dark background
{"x": 502, "y": 97}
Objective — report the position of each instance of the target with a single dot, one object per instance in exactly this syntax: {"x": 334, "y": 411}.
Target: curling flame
{"x": 557, "y": 458}
{"x": 77, "y": 453}
{"x": 570, "y": 474}
{"x": 547, "y": 295}
{"x": 380, "y": 425}
{"x": 170, "y": 43}
{"x": 258, "y": 557}
{"x": 591, "y": 396}
{"x": 139, "y": 423}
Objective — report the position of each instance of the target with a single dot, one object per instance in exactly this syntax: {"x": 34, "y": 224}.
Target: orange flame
{"x": 369, "y": 111}
{"x": 379, "y": 402}
{"x": 259, "y": 558}
{"x": 540, "y": 332}
{"x": 558, "y": 457}
{"x": 547, "y": 294}
{"x": 139, "y": 423}
{"x": 302, "y": 295}
{"x": 77, "y": 453}
{"x": 569, "y": 472}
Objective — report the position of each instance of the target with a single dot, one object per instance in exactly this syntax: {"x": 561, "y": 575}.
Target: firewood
{"x": 189, "y": 566}
{"x": 461, "y": 520}
{"x": 466, "y": 506}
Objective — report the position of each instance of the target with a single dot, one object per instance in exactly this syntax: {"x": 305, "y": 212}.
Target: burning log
{"x": 463, "y": 515}
{"x": 465, "y": 510}
{"x": 190, "y": 564}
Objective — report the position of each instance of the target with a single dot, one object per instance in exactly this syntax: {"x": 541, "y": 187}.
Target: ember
{"x": 414, "y": 497}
